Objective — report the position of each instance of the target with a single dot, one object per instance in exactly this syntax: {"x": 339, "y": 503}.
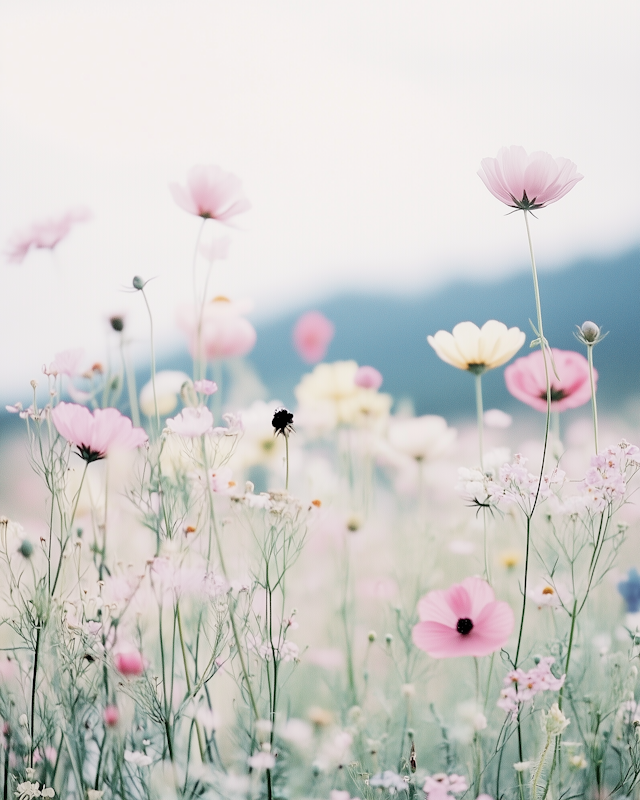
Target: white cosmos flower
{"x": 477, "y": 349}
{"x": 168, "y": 385}
{"x": 421, "y": 438}
{"x": 136, "y": 758}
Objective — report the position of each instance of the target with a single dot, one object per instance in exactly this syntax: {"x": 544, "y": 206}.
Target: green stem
{"x": 536, "y": 777}
{"x": 286, "y": 450}
{"x": 33, "y": 693}
{"x": 569, "y": 648}
{"x": 201, "y": 743}
{"x": 480, "y": 418}
{"x": 594, "y": 407}
{"x": 131, "y": 385}
{"x": 153, "y": 362}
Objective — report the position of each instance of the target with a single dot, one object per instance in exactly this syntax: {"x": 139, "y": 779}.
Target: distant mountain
{"x": 389, "y": 332}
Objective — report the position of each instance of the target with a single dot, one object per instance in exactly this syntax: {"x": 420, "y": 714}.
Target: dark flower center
{"x": 282, "y": 422}
{"x": 556, "y": 395}
{"x": 88, "y": 454}
{"x": 464, "y": 626}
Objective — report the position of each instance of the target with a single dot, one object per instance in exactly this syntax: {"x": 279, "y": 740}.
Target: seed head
{"x": 282, "y": 422}
{"x": 138, "y": 283}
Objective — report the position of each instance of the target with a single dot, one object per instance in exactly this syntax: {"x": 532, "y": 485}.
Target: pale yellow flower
{"x": 477, "y": 349}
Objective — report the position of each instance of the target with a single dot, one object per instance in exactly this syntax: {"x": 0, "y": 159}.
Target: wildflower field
{"x": 333, "y": 600}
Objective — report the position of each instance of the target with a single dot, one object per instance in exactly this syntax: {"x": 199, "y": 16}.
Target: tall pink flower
{"x": 464, "y": 620}
{"x": 211, "y": 193}
{"x": 95, "y": 434}
{"x": 44, "y": 234}
{"x": 368, "y": 378}
{"x": 129, "y": 663}
{"x": 526, "y": 380}
{"x": 528, "y": 181}
{"x": 224, "y": 332}
{"x": 312, "y": 335}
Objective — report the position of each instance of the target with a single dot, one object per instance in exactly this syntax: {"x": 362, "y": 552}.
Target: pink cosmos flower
{"x": 464, "y": 620}
{"x": 224, "y": 333}
{"x": 526, "y": 181}
{"x": 129, "y": 663}
{"x": 211, "y": 193}
{"x": 45, "y": 234}
{"x": 368, "y": 378}
{"x": 312, "y": 335}
{"x": 525, "y": 379}
{"x": 65, "y": 363}
{"x": 95, "y": 434}
{"x": 191, "y": 422}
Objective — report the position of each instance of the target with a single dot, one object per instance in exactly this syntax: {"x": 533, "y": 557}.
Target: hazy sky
{"x": 357, "y": 127}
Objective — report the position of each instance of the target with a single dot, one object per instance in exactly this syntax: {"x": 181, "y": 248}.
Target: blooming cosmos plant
{"x": 44, "y": 234}
{"x": 464, "y": 620}
{"x": 211, "y": 193}
{"x": 95, "y": 434}
{"x": 526, "y": 380}
{"x": 477, "y": 349}
{"x": 528, "y": 181}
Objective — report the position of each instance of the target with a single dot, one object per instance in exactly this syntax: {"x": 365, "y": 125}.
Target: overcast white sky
{"x": 357, "y": 127}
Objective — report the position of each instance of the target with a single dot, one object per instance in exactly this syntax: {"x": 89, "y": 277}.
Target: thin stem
{"x": 131, "y": 384}
{"x": 33, "y": 693}
{"x": 201, "y": 743}
{"x": 153, "y": 361}
{"x": 524, "y": 591}
{"x": 569, "y": 648}
{"x": 480, "y": 418}
{"x": 286, "y": 450}
{"x": 594, "y": 407}
{"x": 198, "y": 354}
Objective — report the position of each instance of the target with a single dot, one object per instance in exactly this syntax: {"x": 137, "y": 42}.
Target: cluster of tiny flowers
{"x": 287, "y": 651}
{"x": 516, "y": 484}
{"x": 28, "y": 790}
{"x": 605, "y": 481}
{"x": 390, "y": 781}
{"x": 512, "y": 483}
{"x": 520, "y": 686}
{"x": 441, "y": 786}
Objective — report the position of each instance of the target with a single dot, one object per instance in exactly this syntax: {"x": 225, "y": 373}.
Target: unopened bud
{"x": 388, "y": 638}
{"x": 138, "y": 283}
{"x": 26, "y": 548}
{"x": 372, "y": 636}
{"x": 590, "y": 331}
{"x": 117, "y": 323}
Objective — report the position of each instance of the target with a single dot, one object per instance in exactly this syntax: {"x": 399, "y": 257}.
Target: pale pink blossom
{"x": 129, "y": 663}
{"x": 224, "y": 332}
{"x": 222, "y": 481}
{"x": 529, "y": 181}
{"x": 368, "y": 378}
{"x": 44, "y": 234}
{"x": 211, "y": 193}
{"x": 330, "y": 658}
{"x": 66, "y": 362}
{"x": 216, "y": 249}
{"x": 95, "y": 434}
{"x": 526, "y": 380}
{"x": 495, "y": 418}
{"x": 464, "y": 620}
{"x": 205, "y": 387}
{"x": 606, "y": 479}
{"x": 191, "y": 422}
{"x": 442, "y": 787}
{"x": 520, "y": 686}
{"x": 515, "y": 484}
{"x": 312, "y": 335}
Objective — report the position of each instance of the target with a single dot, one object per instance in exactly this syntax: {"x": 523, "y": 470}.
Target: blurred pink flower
{"x": 205, "y": 387}
{"x": 111, "y": 715}
{"x": 528, "y": 181}
{"x": 525, "y": 379}
{"x": 368, "y": 378}
{"x": 216, "y": 249}
{"x": 45, "y": 234}
{"x": 95, "y": 434}
{"x": 65, "y": 363}
{"x": 129, "y": 663}
{"x": 211, "y": 193}
{"x": 224, "y": 334}
{"x": 442, "y": 787}
{"x": 464, "y": 620}
{"x": 191, "y": 422}
{"x": 312, "y": 335}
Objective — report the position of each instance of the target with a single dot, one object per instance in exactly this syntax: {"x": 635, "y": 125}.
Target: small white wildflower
{"x": 554, "y": 721}
{"x": 262, "y": 760}
{"x": 94, "y": 794}
{"x": 522, "y": 766}
{"x": 578, "y": 762}
{"x": 22, "y": 720}
{"x": 137, "y": 759}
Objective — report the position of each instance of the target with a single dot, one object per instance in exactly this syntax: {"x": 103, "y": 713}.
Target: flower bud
{"x": 554, "y": 721}
{"x": 372, "y": 636}
{"x": 111, "y": 715}
{"x": 117, "y": 322}
{"x": 138, "y": 283}
{"x": 388, "y": 638}
{"x": 26, "y": 548}
{"x": 590, "y": 331}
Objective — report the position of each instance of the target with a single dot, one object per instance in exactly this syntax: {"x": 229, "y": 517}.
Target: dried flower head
{"x": 282, "y": 422}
